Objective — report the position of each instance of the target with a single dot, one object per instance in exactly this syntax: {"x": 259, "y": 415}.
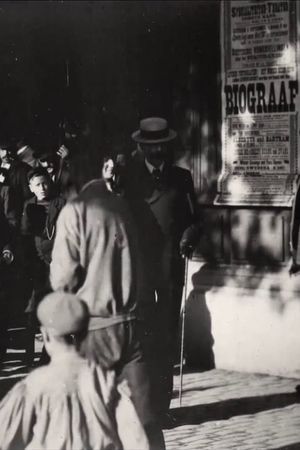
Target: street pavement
{"x": 223, "y": 410}
{"x": 220, "y": 410}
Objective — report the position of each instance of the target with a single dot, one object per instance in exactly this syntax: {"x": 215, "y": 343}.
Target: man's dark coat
{"x": 163, "y": 210}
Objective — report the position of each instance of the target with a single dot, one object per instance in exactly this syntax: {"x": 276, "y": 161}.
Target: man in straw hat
{"x": 168, "y": 193}
{"x": 69, "y": 404}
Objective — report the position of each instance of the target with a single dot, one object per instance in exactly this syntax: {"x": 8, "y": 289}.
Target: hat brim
{"x": 136, "y": 136}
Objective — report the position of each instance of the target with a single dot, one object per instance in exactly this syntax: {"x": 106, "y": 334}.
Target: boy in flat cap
{"x": 38, "y": 230}
{"x": 70, "y": 403}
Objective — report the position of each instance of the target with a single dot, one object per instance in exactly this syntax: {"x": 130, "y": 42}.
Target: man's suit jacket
{"x": 163, "y": 211}
{"x": 18, "y": 181}
{"x": 39, "y": 225}
{"x": 8, "y": 205}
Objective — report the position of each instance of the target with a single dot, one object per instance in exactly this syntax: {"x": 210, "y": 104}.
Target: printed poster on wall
{"x": 260, "y": 103}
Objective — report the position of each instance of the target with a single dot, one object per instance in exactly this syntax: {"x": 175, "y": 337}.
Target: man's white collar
{"x": 150, "y": 167}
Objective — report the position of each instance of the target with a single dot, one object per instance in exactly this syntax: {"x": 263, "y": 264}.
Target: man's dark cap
{"x": 37, "y": 172}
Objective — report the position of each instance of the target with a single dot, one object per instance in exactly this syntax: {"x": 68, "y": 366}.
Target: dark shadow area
{"x": 234, "y": 240}
{"x": 59, "y": 59}
{"x": 186, "y": 370}
{"x": 211, "y": 246}
{"x": 195, "y": 415}
{"x": 8, "y": 372}
{"x": 15, "y": 358}
{"x": 254, "y": 250}
{"x": 198, "y": 336}
{"x": 295, "y": 446}
{"x": 14, "y": 366}
{"x": 200, "y": 389}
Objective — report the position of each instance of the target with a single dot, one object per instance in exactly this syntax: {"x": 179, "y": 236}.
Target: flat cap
{"x": 64, "y": 313}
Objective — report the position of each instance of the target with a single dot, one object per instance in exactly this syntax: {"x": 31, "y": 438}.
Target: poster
{"x": 260, "y": 103}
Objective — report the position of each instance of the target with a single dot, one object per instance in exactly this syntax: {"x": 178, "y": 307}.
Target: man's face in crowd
{"x": 40, "y": 187}
{"x": 5, "y": 156}
{"x": 155, "y": 154}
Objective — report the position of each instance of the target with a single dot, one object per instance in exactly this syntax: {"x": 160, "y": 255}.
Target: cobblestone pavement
{"x": 224, "y": 410}
{"x": 220, "y": 410}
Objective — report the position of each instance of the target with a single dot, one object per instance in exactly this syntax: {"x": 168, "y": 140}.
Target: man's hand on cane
{"x": 185, "y": 249}
{"x": 187, "y": 242}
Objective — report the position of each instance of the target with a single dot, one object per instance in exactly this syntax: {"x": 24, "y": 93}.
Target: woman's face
{"x": 48, "y": 165}
{"x": 108, "y": 169}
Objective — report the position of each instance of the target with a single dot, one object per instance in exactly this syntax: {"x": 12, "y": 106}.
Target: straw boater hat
{"x": 23, "y": 146}
{"x": 153, "y": 130}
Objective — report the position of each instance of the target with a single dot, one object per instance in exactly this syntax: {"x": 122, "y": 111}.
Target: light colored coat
{"x": 70, "y": 405}
{"x": 95, "y": 255}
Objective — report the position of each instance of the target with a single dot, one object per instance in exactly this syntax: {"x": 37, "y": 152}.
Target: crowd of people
{"x": 114, "y": 252}
{"x": 34, "y": 186}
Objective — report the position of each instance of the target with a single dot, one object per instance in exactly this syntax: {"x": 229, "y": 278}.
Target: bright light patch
{"x": 247, "y": 118}
{"x": 288, "y": 56}
{"x": 236, "y": 187}
{"x": 205, "y": 129}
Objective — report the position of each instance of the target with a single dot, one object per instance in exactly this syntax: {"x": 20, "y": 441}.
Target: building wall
{"x": 241, "y": 301}
{"x": 243, "y": 308}
{"x": 250, "y": 318}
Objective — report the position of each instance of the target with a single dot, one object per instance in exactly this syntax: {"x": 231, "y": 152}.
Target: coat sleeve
{"x": 16, "y": 419}
{"x": 295, "y": 221}
{"x": 66, "y": 272}
{"x": 25, "y": 223}
{"x": 191, "y": 196}
{"x": 10, "y": 207}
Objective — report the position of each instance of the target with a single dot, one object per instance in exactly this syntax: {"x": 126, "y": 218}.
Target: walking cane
{"x": 183, "y": 306}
